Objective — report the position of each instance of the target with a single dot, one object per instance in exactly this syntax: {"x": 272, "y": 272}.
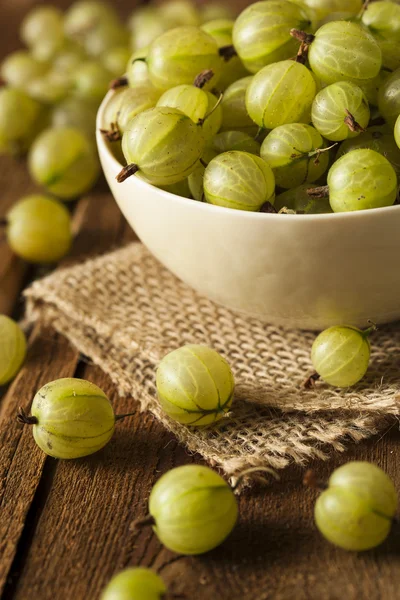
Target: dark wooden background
{"x": 64, "y": 526}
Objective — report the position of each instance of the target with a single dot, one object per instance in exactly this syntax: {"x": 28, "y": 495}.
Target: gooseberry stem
{"x": 251, "y": 470}
{"x": 319, "y": 192}
{"x": 367, "y": 332}
{"x": 315, "y": 153}
{"x": 113, "y": 134}
{"x": 363, "y": 9}
{"x": 260, "y": 131}
{"x": 126, "y": 172}
{"x": 25, "y": 419}
{"x": 227, "y": 52}
{"x": 201, "y": 122}
{"x": 267, "y": 207}
{"x": 118, "y": 83}
{"x": 320, "y": 151}
{"x": 309, "y": 383}
{"x": 311, "y": 481}
{"x": 203, "y": 78}
{"x": 120, "y": 417}
{"x": 352, "y": 123}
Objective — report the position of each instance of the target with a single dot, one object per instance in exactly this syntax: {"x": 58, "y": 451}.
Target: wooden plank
{"x": 14, "y": 183}
{"x": 50, "y": 357}
{"x": 21, "y": 462}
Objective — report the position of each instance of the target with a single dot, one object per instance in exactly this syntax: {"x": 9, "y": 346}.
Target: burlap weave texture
{"x": 125, "y": 311}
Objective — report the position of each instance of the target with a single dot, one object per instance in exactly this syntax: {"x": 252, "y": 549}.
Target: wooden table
{"x": 64, "y": 526}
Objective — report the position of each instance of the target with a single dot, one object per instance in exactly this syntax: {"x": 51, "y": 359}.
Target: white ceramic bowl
{"x": 305, "y": 271}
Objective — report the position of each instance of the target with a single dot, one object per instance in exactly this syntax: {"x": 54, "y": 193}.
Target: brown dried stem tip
{"x": 309, "y": 383}
{"x": 127, "y": 172}
{"x": 310, "y": 480}
{"x": 319, "y": 192}
{"x": 3, "y": 222}
{"x": 113, "y": 134}
{"x": 352, "y": 123}
{"x": 203, "y": 78}
{"x": 227, "y": 52}
{"x": 267, "y": 207}
{"x": 302, "y": 36}
{"x": 306, "y": 40}
{"x": 146, "y": 521}
{"x": 25, "y": 419}
{"x": 118, "y": 83}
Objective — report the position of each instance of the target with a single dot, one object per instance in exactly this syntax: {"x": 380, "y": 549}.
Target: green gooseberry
{"x": 21, "y": 119}
{"x": 39, "y": 229}
{"x": 195, "y": 385}
{"x": 63, "y": 160}
{"x": 296, "y": 153}
{"x": 71, "y": 418}
{"x": 196, "y": 178}
{"x": 135, "y": 584}
{"x": 397, "y": 131}
{"x": 162, "y": 144}
{"x": 177, "y": 56}
{"x": 239, "y": 180}
{"x": 12, "y": 349}
{"x": 125, "y": 104}
{"x": 361, "y": 179}
{"x": 193, "y": 509}
{"x": 281, "y": 93}
{"x": 196, "y": 104}
{"x": 234, "y": 111}
{"x": 340, "y": 355}
{"x": 298, "y": 200}
{"x": 235, "y": 140}
{"x": 181, "y": 188}
{"x": 356, "y": 510}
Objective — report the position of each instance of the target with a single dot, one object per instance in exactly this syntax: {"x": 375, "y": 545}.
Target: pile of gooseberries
{"x": 297, "y": 78}
{"x": 243, "y": 113}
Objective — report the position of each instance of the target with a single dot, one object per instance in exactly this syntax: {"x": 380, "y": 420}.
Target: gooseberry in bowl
{"x": 306, "y": 271}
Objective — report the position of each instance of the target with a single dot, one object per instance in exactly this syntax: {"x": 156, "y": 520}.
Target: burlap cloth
{"x": 125, "y": 311}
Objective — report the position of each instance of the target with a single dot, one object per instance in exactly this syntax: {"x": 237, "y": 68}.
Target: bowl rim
{"x": 103, "y": 148}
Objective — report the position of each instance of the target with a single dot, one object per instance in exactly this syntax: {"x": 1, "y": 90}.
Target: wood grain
{"x": 50, "y": 357}
{"x": 64, "y": 526}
